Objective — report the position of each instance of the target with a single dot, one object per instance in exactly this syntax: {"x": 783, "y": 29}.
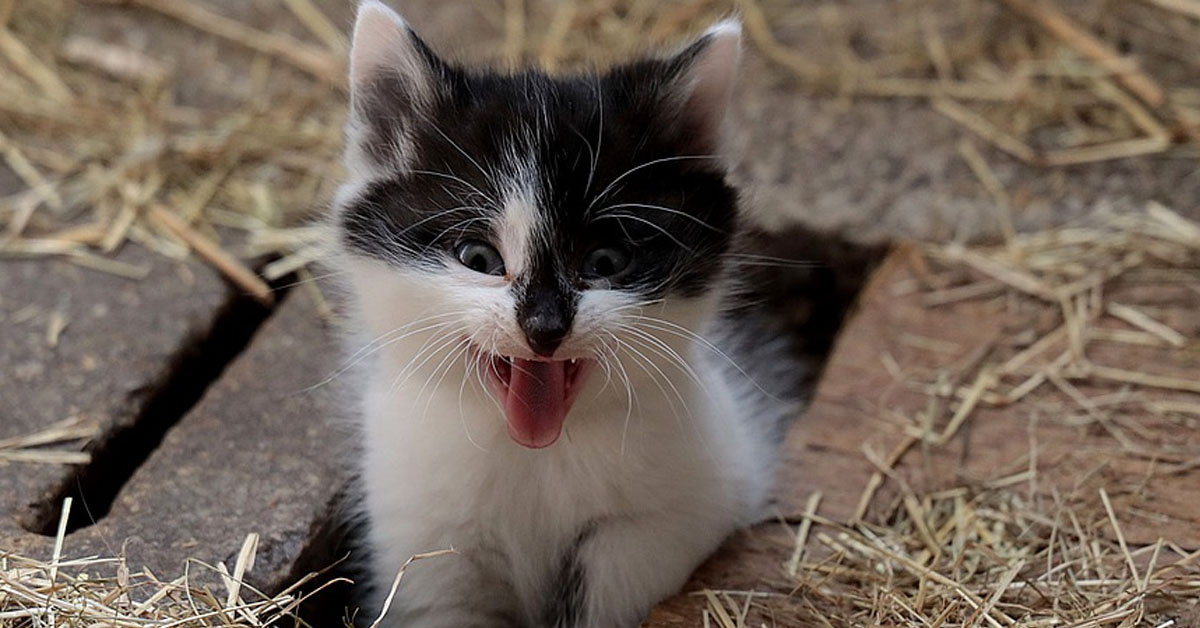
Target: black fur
{"x": 564, "y": 607}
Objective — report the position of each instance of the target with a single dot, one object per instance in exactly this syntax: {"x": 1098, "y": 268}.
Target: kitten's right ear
{"x": 704, "y": 78}
{"x": 384, "y": 46}
{"x": 393, "y": 76}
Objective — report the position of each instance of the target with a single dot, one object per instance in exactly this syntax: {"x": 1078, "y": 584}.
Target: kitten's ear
{"x": 384, "y": 46}
{"x": 393, "y": 76}
{"x": 704, "y": 76}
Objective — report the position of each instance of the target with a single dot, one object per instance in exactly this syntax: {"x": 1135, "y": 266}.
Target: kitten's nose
{"x": 545, "y": 331}
{"x": 545, "y": 306}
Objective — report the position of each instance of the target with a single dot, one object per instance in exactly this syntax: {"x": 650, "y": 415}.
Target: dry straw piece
{"x": 92, "y": 591}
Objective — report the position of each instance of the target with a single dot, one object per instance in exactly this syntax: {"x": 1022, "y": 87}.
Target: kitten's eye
{"x": 605, "y": 262}
{"x": 480, "y": 257}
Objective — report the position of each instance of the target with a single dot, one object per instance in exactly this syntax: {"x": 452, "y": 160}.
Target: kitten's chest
{"x": 449, "y": 463}
{"x": 463, "y": 470}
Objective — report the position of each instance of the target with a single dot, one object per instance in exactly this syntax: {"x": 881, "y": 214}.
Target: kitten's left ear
{"x": 704, "y": 76}
{"x": 384, "y": 44}
{"x": 394, "y": 77}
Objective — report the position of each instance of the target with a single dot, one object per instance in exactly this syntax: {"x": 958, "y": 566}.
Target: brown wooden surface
{"x": 860, "y": 405}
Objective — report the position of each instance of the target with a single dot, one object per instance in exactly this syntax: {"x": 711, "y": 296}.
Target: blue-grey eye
{"x": 605, "y": 262}
{"x": 480, "y": 257}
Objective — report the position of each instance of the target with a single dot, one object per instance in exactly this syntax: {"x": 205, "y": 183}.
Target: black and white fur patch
{"x": 581, "y": 218}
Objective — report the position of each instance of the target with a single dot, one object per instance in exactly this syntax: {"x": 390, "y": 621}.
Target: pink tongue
{"x": 537, "y": 402}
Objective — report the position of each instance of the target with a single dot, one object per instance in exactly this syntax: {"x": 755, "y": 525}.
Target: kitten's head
{"x": 534, "y": 223}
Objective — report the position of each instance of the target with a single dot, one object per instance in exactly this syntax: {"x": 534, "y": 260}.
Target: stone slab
{"x": 876, "y": 169}
{"x": 118, "y": 345}
{"x": 859, "y": 397}
{"x": 258, "y": 454}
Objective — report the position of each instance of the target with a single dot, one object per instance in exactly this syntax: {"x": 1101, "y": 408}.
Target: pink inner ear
{"x": 383, "y": 41}
{"x": 709, "y": 82}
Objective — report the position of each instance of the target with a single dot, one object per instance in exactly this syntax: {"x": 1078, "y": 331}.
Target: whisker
{"x": 602, "y": 360}
{"x": 599, "y": 138}
{"x": 742, "y": 259}
{"x": 642, "y": 360}
{"x": 621, "y": 215}
{"x": 669, "y": 210}
{"x": 470, "y": 366}
{"x": 383, "y": 341}
{"x": 456, "y": 179}
{"x": 486, "y": 175}
{"x": 630, "y": 395}
{"x": 310, "y": 279}
{"x": 665, "y": 350}
{"x": 706, "y": 343}
{"x": 460, "y": 225}
{"x": 446, "y": 363}
{"x": 431, "y": 348}
{"x": 439, "y": 214}
{"x": 385, "y": 335}
{"x": 443, "y": 367}
{"x": 653, "y": 162}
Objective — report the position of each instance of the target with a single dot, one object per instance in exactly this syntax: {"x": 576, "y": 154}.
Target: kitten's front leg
{"x": 628, "y": 565}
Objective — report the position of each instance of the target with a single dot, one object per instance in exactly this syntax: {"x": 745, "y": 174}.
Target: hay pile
{"x": 972, "y": 557}
{"x": 95, "y": 591}
{"x": 109, "y": 156}
{"x": 1049, "y": 86}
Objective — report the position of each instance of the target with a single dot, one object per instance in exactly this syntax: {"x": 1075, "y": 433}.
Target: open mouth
{"x": 536, "y": 394}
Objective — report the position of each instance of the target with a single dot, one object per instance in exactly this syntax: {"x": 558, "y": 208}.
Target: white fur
{"x": 519, "y": 227}
{"x": 664, "y": 476}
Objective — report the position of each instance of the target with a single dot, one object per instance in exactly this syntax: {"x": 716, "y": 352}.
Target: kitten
{"x": 540, "y": 269}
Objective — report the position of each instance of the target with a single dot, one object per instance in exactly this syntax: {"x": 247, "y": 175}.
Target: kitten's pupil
{"x": 605, "y": 262}
{"x": 480, "y": 257}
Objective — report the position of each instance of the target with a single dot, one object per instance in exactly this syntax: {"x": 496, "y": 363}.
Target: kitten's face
{"x": 528, "y": 222}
